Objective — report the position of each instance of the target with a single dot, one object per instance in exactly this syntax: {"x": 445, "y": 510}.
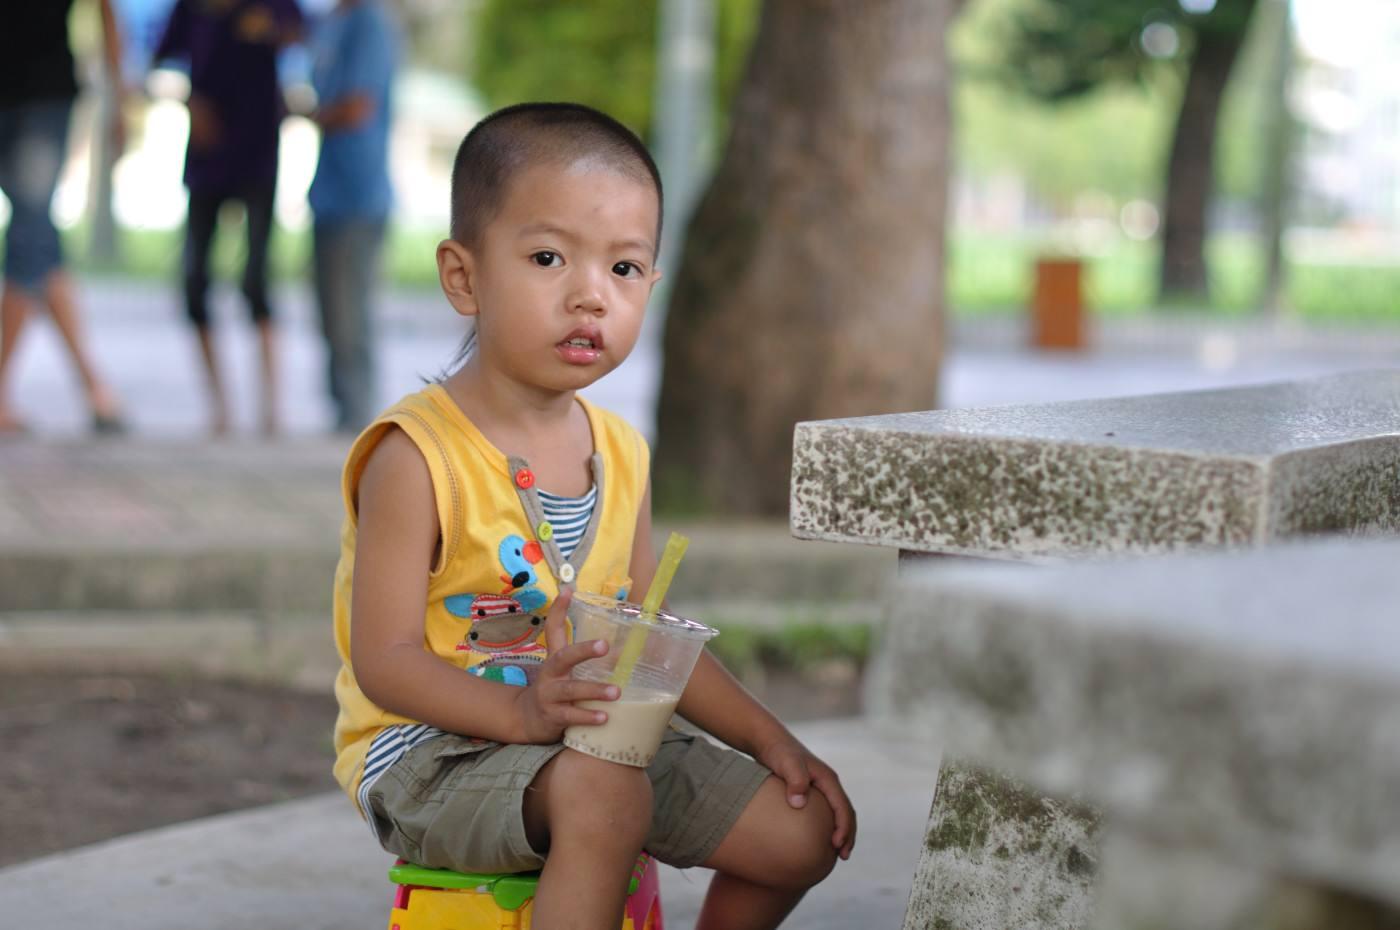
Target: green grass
{"x": 155, "y": 254}
{"x": 795, "y": 645}
{"x": 989, "y": 275}
{"x": 986, "y": 275}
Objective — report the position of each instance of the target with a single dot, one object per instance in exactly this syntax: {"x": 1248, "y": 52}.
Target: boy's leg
{"x": 768, "y": 860}
{"x": 592, "y": 816}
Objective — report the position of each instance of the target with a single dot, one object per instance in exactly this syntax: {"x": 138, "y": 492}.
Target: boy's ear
{"x": 457, "y": 275}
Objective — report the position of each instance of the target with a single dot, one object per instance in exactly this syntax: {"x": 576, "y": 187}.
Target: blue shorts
{"x": 33, "y": 141}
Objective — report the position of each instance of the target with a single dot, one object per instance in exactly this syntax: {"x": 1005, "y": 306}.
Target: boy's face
{"x": 560, "y": 278}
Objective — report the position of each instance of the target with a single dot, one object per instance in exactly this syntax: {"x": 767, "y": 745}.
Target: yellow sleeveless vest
{"x": 499, "y": 568}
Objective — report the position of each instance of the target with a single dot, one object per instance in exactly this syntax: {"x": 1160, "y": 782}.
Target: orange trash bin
{"x": 1057, "y": 313}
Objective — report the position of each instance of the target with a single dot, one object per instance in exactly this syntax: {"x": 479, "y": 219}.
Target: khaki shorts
{"x": 450, "y": 803}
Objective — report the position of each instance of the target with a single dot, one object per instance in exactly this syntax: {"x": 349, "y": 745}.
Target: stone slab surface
{"x": 1246, "y": 701}
{"x": 1237, "y": 466}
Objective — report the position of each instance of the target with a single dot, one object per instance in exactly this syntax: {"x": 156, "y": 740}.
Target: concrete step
{"x": 296, "y": 648}
{"x": 753, "y": 560}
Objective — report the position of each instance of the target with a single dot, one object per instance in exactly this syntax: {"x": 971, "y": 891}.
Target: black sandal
{"x": 108, "y": 424}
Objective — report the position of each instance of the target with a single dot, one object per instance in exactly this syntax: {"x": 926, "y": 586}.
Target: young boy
{"x": 458, "y": 581}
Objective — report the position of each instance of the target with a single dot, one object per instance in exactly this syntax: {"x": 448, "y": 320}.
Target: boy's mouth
{"x": 582, "y": 346}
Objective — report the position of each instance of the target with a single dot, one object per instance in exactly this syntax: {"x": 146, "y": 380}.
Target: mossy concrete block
{"x": 998, "y": 855}
{"x": 1246, "y": 702}
{"x": 1234, "y": 467}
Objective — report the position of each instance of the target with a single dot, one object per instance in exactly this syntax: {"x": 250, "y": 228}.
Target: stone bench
{"x": 1148, "y": 474}
{"x": 1055, "y": 482}
{"x": 1242, "y": 706}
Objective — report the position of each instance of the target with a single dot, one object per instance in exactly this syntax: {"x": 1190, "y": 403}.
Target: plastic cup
{"x": 638, "y": 718}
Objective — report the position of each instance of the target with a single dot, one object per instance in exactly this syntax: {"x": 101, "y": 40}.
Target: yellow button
{"x": 566, "y": 573}
{"x": 545, "y": 531}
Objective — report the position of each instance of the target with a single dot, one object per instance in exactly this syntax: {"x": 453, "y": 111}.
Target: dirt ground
{"x": 91, "y": 756}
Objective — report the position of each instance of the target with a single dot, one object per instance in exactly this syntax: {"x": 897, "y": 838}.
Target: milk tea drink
{"x": 665, "y": 649}
{"x": 636, "y": 722}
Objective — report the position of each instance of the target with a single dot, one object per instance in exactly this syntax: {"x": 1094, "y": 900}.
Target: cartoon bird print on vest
{"x": 505, "y": 627}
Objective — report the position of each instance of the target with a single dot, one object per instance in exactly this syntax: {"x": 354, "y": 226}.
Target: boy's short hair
{"x": 519, "y": 137}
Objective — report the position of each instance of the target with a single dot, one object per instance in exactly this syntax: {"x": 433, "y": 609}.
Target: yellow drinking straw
{"x": 636, "y": 639}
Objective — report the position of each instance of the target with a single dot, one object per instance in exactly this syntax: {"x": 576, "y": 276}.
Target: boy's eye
{"x": 626, "y": 269}
{"x": 546, "y": 259}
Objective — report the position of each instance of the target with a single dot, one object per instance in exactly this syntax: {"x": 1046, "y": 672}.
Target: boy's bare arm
{"x": 713, "y": 700}
{"x": 717, "y": 703}
{"x": 397, "y": 534}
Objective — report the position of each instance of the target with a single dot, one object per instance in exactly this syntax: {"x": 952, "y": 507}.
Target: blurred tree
{"x": 1062, "y": 49}
{"x": 601, "y": 53}
{"x": 1278, "y": 131}
{"x": 811, "y": 282}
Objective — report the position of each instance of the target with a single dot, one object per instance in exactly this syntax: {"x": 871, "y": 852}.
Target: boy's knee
{"x": 599, "y": 799}
{"x": 808, "y": 855}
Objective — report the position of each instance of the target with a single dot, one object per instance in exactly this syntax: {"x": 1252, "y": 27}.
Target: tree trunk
{"x": 1277, "y": 180}
{"x": 811, "y": 281}
{"x": 103, "y": 246}
{"x": 1191, "y": 169}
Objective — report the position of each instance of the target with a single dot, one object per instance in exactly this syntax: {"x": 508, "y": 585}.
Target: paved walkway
{"x": 312, "y": 864}
{"x": 141, "y": 343}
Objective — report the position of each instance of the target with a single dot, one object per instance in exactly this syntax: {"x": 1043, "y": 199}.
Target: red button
{"x": 525, "y": 479}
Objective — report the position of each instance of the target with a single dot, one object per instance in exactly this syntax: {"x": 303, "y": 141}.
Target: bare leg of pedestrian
{"x": 15, "y": 307}
{"x": 259, "y": 203}
{"x": 267, "y": 348}
{"x": 59, "y": 294}
{"x": 213, "y": 381}
{"x": 199, "y": 239}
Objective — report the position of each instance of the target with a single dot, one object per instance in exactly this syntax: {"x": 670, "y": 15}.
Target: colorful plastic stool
{"x": 439, "y": 899}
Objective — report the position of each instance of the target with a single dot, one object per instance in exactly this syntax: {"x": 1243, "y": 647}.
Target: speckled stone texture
{"x": 1234, "y": 467}
{"x": 1246, "y": 703}
{"x": 1003, "y": 856}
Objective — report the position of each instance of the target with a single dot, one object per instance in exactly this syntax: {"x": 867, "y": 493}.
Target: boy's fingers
{"x": 566, "y": 658}
{"x": 843, "y": 836}
{"x": 569, "y": 690}
{"x": 571, "y": 716}
{"x": 798, "y": 782}
{"x": 556, "y": 633}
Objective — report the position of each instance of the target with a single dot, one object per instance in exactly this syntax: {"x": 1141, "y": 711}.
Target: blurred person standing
{"x": 355, "y": 52}
{"x": 236, "y": 111}
{"x": 37, "y": 89}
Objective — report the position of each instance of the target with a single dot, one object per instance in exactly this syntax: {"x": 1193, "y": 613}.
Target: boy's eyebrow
{"x": 641, "y": 245}
{"x": 534, "y": 229}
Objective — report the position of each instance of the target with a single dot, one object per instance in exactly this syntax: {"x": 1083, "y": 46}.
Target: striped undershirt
{"x": 569, "y": 518}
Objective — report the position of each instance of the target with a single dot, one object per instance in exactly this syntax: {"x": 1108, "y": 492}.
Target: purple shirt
{"x": 232, "y": 47}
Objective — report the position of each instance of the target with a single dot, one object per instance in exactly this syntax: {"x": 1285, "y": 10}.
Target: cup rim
{"x": 631, "y": 615}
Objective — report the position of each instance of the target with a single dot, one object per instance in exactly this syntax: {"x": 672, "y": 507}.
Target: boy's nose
{"x": 587, "y": 295}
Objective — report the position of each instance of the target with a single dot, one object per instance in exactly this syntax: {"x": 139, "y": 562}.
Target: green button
{"x": 545, "y": 531}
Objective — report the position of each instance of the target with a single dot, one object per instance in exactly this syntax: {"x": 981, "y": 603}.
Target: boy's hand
{"x": 546, "y": 707}
{"x": 801, "y": 771}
